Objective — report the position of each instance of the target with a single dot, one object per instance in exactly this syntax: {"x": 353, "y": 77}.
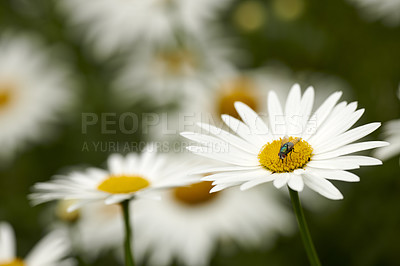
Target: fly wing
{"x": 295, "y": 141}
{"x": 284, "y": 140}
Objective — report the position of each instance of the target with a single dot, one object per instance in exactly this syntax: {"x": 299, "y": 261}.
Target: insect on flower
{"x": 287, "y": 147}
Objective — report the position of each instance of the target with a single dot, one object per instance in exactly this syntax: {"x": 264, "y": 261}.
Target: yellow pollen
{"x": 298, "y": 158}
{"x": 123, "y": 184}
{"x": 62, "y": 211}
{"x": 195, "y": 194}
{"x": 238, "y": 90}
{"x": 15, "y": 262}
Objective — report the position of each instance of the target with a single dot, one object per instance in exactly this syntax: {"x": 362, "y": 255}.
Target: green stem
{"x": 128, "y": 234}
{"x": 304, "y": 232}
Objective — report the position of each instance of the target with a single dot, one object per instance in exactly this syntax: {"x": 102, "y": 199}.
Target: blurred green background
{"x": 328, "y": 36}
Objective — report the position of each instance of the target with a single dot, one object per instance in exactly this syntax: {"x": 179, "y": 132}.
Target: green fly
{"x": 287, "y": 147}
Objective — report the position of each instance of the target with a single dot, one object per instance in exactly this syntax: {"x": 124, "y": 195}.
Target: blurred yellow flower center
{"x": 62, "y": 211}
{"x": 5, "y": 94}
{"x": 237, "y": 90}
{"x": 177, "y": 62}
{"x": 195, "y": 194}
{"x": 250, "y": 15}
{"x": 295, "y": 159}
{"x": 16, "y": 262}
{"x": 123, "y": 184}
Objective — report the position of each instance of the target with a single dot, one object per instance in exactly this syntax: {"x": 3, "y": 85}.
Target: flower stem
{"x": 304, "y": 232}
{"x": 128, "y": 234}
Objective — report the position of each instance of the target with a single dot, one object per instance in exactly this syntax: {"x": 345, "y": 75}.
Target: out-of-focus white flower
{"x": 115, "y": 24}
{"x": 50, "y": 251}
{"x": 174, "y": 70}
{"x": 298, "y": 148}
{"x": 99, "y": 229}
{"x": 391, "y": 131}
{"x": 189, "y": 223}
{"x": 33, "y": 92}
{"x": 398, "y": 92}
{"x": 250, "y": 87}
{"x": 126, "y": 177}
{"x": 386, "y": 10}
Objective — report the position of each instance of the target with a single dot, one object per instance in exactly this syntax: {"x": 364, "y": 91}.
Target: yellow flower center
{"x": 5, "y": 94}
{"x": 62, "y": 211}
{"x": 195, "y": 194}
{"x": 15, "y": 262}
{"x": 296, "y": 158}
{"x": 176, "y": 62}
{"x": 123, "y": 184}
{"x": 239, "y": 90}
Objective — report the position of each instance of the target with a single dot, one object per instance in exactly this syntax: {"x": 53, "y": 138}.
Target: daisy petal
{"x": 227, "y": 137}
{"x": 215, "y": 169}
{"x": 321, "y": 114}
{"x": 296, "y": 183}
{"x": 7, "y": 242}
{"x": 117, "y": 198}
{"x": 230, "y": 157}
{"x": 323, "y": 187}
{"x": 222, "y": 187}
{"x": 306, "y": 105}
{"x": 361, "y": 160}
{"x": 276, "y": 116}
{"x": 391, "y": 150}
{"x": 348, "y": 137}
{"x": 252, "y": 119}
{"x": 50, "y": 250}
{"x": 292, "y": 111}
{"x": 281, "y": 179}
{"x": 334, "y": 163}
{"x": 334, "y": 174}
{"x": 78, "y": 205}
{"x": 115, "y": 164}
{"x": 256, "y": 182}
{"x": 242, "y": 130}
{"x": 350, "y": 149}
{"x": 237, "y": 176}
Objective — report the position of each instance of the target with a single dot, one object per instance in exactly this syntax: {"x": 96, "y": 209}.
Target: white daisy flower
{"x": 174, "y": 69}
{"x": 126, "y": 177}
{"x": 189, "y": 223}
{"x": 392, "y": 135}
{"x": 93, "y": 229}
{"x": 33, "y": 92}
{"x": 297, "y": 148}
{"x": 50, "y": 251}
{"x": 99, "y": 229}
{"x": 118, "y": 24}
{"x": 248, "y": 87}
{"x": 387, "y": 10}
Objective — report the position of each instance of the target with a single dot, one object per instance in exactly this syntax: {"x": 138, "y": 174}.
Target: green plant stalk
{"x": 304, "y": 232}
{"x": 128, "y": 234}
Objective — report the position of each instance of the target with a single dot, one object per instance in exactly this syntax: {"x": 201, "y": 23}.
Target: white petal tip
{"x": 216, "y": 189}
{"x": 207, "y": 178}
